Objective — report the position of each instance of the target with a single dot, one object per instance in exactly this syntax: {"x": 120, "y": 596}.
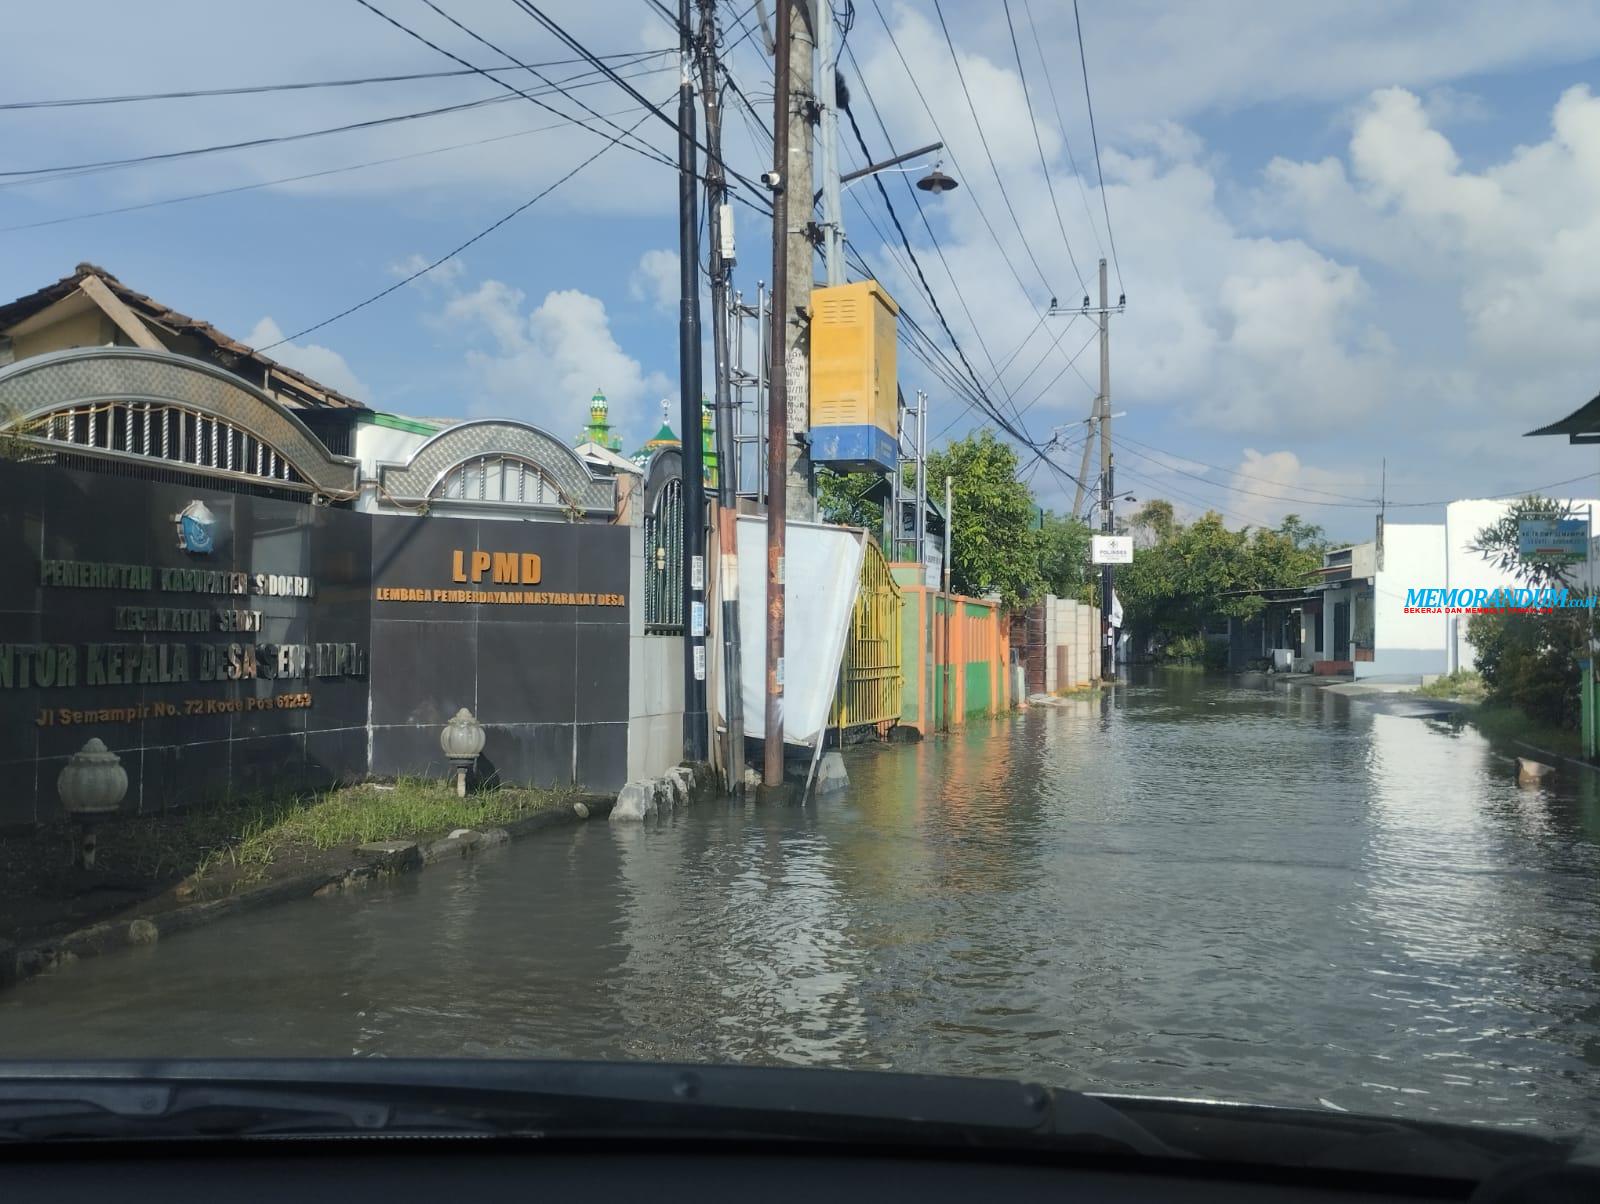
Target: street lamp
{"x": 462, "y": 741}
{"x": 91, "y": 786}
{"x": 936, "y": 182}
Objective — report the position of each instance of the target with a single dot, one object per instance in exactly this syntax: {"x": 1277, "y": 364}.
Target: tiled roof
{"x": 226, "y": 350}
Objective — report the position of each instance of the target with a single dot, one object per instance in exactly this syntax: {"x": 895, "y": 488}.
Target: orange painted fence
{"x": 970, "y": 678}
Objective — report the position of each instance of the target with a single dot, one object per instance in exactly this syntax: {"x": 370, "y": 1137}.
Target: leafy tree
{"x": 1530, "y": 660}
{"x": 1064, "y": 557}
{"x": 995, "y": 545}
{"x": 841, "y": 499}
{"x": 1154, "y": 520}
{"x": 1192, "y": 574}
{"x": 1497, "y": 543}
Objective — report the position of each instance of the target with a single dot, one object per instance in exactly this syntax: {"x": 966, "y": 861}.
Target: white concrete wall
{"x": 655, "y": 681}
{"x": 1085, "y": 660}
{"x": 1346, "y": 595}
{"x": 1465, "y": 569}
{"x": 1413, "y": 556}
{"x": 1052, "y": 616}
{"x": 374, "y": 445}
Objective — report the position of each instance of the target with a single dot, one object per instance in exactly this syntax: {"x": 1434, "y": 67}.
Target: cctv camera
{"x": 772, "y": 180}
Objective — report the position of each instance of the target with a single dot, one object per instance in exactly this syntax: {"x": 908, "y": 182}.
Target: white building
{"x": 1416, "y": 556}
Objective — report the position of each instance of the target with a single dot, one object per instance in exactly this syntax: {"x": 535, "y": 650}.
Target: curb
{"x": 20, "y": 962}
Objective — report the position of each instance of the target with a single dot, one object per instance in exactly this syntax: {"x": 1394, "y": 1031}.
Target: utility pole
{"x": 948, "y": 670}
{"x": 720, "y": 216}
{"x": 794, "y": 300}
{"x": 777, "y": 396}
{"x": 1108, "y": 641}
{"x": 694, "y": 482}
{"x": 832, "y": 215}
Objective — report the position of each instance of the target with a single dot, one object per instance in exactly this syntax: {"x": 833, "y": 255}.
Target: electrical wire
{"x": 258, "y": 89}
{"x": 1088, "y": 101}
{"x": 309, "y": 175}
{"x": 655, "y": 110}
{"x": 1005, "y": 195}
{"x": 1061, "y": 124}
{"x": 1038, "y": 143}
{"x": 1363, "y": 504}
{"x": 927, "y": 108}
{"x": 451, "y": 254}
{"x": 46, "y": 174}
{"x": 1348, "y": 497}
{"x": 644, "y": 147}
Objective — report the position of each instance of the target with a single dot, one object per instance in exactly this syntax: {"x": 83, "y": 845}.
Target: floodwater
{"x": 1185, "y": 887}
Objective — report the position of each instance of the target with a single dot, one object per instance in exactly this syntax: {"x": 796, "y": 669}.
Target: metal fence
{"x": 871, "y": 676}
{"x": 663, "y": 549}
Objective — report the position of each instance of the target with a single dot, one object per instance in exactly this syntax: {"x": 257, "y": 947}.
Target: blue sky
{"x": 1347, "y": 233}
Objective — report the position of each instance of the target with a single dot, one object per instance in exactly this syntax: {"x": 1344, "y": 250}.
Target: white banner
{"x": 822, "y": 572}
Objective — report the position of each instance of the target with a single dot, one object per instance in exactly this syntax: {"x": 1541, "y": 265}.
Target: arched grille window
{"x": 499, "y": 478}
{"x": 161, "y": 431}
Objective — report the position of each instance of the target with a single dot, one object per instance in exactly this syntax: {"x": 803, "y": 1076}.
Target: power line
{"x": 971, "y": 108}
{"x": 648, "y": 150}
{"x": 257, "y": 89}
{"x": 1066, "y": 139}
{"x": 1083, "y": 62}
{"x": 45, "y": 174}
{"x": 309, "y": 175}
{"x": 481, "y": 234}
{"x": 1039, "y": 145}
{"x": 916, "y": 201}
{"x": 1346, "y": 498}
{"x": 34, "y": 175}
{"x": 1247, "y": 476}
{"x": 927, "y": 108}
{"x": 555, "y": 28}
{"x": 1362, "y": 504}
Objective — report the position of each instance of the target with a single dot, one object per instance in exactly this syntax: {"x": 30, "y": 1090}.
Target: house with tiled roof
{"x": 92, "y": 308}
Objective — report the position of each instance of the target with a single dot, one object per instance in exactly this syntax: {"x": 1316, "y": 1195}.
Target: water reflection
{"x": 1183, "y": 886}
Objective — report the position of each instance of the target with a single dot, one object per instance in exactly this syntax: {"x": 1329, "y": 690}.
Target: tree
{"x": 1154, "y": 520}
{"x": 995, "y": 545}
{"x": 1064, "y": 557}
{"x": 1532, "y": 661}
{"x": 1498, "y": 543}
{"x": 841, "y": 498}
{"x": 1192, "y": 574}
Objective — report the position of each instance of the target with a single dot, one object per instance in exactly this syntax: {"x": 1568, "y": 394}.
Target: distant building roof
{"x": 223, "y": 349}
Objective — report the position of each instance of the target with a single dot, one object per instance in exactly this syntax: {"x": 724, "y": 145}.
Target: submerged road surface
{"x": 1184, "y": 887}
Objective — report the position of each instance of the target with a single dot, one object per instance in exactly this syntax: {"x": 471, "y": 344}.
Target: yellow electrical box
{"x": 854, "y": 396}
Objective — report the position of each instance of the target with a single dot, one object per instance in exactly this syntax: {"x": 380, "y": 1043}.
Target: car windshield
{"x": 1047, "y": 540}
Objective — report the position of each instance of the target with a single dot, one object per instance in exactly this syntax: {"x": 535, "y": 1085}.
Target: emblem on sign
{"x": 196, "y": 528}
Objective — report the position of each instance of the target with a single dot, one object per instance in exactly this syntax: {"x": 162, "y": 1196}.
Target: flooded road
{"x": 1190, "y": 887}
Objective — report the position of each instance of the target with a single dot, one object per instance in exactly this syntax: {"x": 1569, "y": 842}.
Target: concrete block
{"x": 636, "y": 802}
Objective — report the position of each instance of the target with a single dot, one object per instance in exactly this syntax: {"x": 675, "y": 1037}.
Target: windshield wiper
{"x": 40, "y": 1101}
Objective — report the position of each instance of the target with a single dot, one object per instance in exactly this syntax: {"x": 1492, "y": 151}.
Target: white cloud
{"x": 655, "y": 279}
{"x": 543, "y": 363}
{"x": 1516, "y": 242}
{"x": 316, "y": 361}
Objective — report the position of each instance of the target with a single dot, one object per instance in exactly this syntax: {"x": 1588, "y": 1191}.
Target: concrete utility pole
{"x": 694, "y": 481}
{"x": 794, "y": 302}
{"x": 1108, "y": 650}
{"x": 720, "y": 215}
{"x": 832, "y": 214}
